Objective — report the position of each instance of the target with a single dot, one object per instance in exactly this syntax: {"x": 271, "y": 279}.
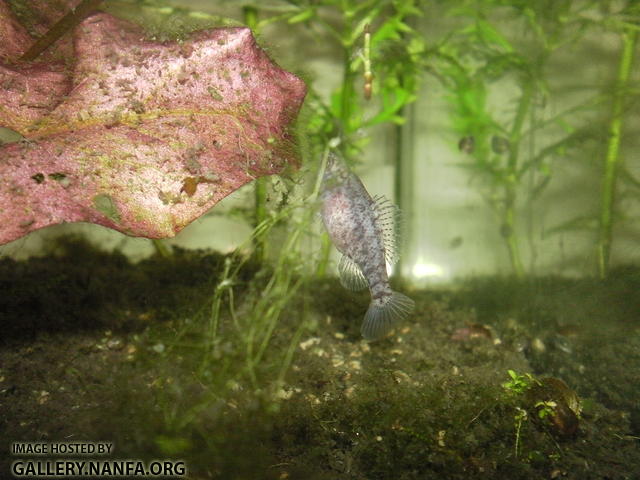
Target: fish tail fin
{"x": 380, "y": 320}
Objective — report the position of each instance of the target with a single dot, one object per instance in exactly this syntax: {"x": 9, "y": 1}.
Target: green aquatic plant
{"x": 518, "y": 383}
{"x": 467, "y": 81}
{"x": 546, "y": 408}
{"x": 504, "y": 149}
{"x": 516, "y": 388}
{"x": 381, "y": 58}
{"x": 612, "y": 161}
{"x": 250, "y": 17}
{"x": 519, "y": 418}
{"x": 263, "y": 304}
{"x": 548, "y": 401}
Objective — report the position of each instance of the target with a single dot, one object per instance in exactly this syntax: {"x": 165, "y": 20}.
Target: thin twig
{"x": 62, "y": 26}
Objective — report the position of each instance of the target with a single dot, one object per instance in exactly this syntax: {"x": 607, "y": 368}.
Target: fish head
{"x": 335, "y": 173}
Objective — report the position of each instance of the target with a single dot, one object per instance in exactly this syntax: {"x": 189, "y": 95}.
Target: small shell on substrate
{"x": 561, "y": 402}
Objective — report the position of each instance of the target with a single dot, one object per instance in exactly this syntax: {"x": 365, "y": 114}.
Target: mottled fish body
{"x": 362, "y": 229}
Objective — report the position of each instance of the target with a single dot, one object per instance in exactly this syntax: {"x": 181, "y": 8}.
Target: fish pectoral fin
{"x": 351, "y": 277}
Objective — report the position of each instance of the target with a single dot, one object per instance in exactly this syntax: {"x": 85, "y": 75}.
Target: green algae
{"x": 106, "y": 205}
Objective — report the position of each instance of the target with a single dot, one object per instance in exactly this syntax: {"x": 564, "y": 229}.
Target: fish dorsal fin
{"x": 388, "y": 219}
{"x": 351, "y": 277}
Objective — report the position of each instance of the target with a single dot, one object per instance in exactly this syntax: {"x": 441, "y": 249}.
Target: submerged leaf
{"x": 139, "y": 122}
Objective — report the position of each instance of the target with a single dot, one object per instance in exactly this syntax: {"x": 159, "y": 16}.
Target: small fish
{"x": 362, "y": 229}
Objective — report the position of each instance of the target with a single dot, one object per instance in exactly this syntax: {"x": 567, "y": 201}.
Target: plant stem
{"x": 508, "y": 229}
{"x": 399, "y": 180}
{"x": 260, "y": 214}
{"x": 161, "y": 248}
{"x": 214, "y": 315}
{"x": 62, "y": 26}
{"x": 612, "y": 160}
{"x": 404, "y": 172}
{"x": 325, "y": 247}
{"x": 347, "y": 93}
{"x": 403, "y": 181}
{"x": 250, "y": 15}
{"x": 274, "y": 299}
{"x": 325, "y": 251}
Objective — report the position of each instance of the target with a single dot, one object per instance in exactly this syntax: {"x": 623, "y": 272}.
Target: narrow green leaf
{"x": 302, "y": 16}
{"x": 493, "y": 36}
{"x": 583, "y": 222}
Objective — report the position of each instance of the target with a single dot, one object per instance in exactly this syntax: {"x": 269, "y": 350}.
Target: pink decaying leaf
{"x": 15, "y": 38}
{"x": 150, "y": 135}
{"x": 27, "y": 92}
